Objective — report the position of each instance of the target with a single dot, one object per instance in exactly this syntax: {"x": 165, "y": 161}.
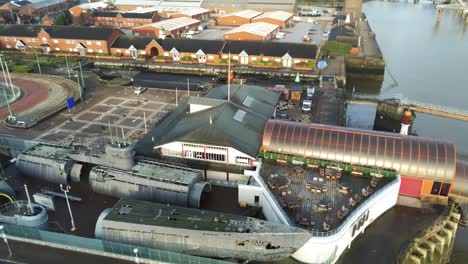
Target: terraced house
{"x": 107, "y": 41}
{"x": 123, "y": 20}
{"x": 81, "y": 40}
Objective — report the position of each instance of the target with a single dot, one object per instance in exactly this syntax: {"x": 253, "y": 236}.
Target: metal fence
{"x": 107, "y": 248}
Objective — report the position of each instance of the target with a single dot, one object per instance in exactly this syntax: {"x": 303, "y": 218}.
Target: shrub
{"x": 225, "y": 60}
{"x": 188, "y": 58}
{"x": 267, "y": 63}
{"x": 22, "y": 68}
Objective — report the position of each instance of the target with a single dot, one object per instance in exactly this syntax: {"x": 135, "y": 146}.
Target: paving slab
{"x": 114, "y": 101}
{"x": 73, "y": 125}
{"x": 122, "y": 111}
{"x": 101, "y": 108}
{"x": 87, "y": 117}
{"x": 131, "y": 122}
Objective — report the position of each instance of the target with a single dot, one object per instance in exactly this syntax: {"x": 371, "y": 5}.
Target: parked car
{"x": 306, "y": 106}
{"x": 310, "y": 93}
{"x": 139, "y": 90}
{"x": 280, "y": 35}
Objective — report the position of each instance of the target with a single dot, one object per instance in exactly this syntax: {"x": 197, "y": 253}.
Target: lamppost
{"x": 6, "y": 240}
{"x": 137, "y": 259}
{"x": 65, "y": 191}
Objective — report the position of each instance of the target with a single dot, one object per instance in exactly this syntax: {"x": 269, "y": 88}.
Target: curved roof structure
{"x": 410, "y": 156}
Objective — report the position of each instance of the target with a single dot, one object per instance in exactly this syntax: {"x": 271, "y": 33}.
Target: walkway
{"x": 420, "y": 107}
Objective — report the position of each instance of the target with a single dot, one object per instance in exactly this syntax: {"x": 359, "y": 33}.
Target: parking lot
{"x": 120, "y": 116}
{"x": 294, "y": 34}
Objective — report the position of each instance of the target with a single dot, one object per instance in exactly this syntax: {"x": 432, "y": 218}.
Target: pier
{"x": 419, "y": 107}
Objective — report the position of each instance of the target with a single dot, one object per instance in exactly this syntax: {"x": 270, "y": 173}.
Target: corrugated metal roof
{"x": 172, "y": 24}
{"x": 278, "y": 15}
{"x": 93, "y": 5}
{"x": 194, "y": 11}
{"x": 410, "y": 156}
{"x": 257, "y": 28}
{"x": 244, "y": 13}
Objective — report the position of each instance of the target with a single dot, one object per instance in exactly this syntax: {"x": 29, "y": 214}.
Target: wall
{"x": 280, "y": 23}
{"x": 270, "y": 207}
{"x": 233, "y": 21}
{"x": 327, "y": 249}
{"x": 182, "y": 150}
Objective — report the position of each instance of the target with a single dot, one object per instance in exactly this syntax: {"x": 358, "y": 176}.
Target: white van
{"x": 306, "y": 106}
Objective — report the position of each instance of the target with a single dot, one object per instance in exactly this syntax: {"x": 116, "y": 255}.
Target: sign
{"x": 70, "y": 102}
{"x": 46, "y": 200}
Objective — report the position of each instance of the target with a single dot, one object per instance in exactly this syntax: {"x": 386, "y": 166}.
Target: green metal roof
{"x": 238, "y": 123}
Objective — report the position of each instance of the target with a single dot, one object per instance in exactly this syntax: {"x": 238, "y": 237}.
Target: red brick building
{"x": 195, "y": 13}
{"x": 254, "y": 31}
{"x": 41, "y": 8}
{"x": 238, "y": 18}
{"x": 123, "y": 20}
{"x": 175, "y": 27}
{"x": 81, "y": 40}
{"x": 280, "y": 18}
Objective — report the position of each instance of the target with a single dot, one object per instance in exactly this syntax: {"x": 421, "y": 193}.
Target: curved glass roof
{"x": 410, "y": 156}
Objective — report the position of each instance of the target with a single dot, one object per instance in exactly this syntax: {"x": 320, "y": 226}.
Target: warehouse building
{"x": 227, "y": 6}
{"x": 280, "y": 18}
{"x": 168, "y": 6}
{"x": 195, "y": 13}
{"x": 175, "y": 28}
{"x": 255, "y": 31}
{"x": 238, "y": 18}
{"x": 123, "y": 20}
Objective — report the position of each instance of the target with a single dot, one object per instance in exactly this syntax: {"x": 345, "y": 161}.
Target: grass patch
{"x": 267, "y": 63}
{"x": 188, "y": 58}
{"x": 308, "y": 64}
{"x": 225, "y": 60}
{"x": 335, "y": 47}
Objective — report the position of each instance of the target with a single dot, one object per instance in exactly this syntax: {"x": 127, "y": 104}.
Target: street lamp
{"x": 65, "y": 191}
{"x": 137, "y": 259}
{"x": 5, "y": 240}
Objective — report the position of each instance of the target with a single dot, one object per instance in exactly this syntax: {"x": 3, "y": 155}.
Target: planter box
{"x": 140, "y": 59}
{"x": 188, "y": 62}
{"x": 213, "y": 63}
{"x": 276, "y": 67}
{"x": 162, "y": 60}
{"x": 302, "y": 68}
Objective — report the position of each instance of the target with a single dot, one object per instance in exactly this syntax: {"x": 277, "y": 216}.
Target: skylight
{"x": 239, "y": 116}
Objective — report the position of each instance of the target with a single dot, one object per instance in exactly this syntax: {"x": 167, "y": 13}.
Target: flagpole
{"x": 229, "y": 77}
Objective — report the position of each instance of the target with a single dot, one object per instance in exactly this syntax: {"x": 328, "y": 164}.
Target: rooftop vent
{"x": 239, "y": 116}
{"x": 248, "y": 101}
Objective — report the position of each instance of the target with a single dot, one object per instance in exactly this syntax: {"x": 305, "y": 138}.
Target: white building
{"x": 213, "y": 129}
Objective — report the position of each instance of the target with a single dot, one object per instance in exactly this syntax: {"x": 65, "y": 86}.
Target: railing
{"x": 402, "y": 100}
{"x": 100, "y": 247}
{"x": 358, "y": 211}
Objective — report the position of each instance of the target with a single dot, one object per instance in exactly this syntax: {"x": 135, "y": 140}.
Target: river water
{"x": 426, "y": 61}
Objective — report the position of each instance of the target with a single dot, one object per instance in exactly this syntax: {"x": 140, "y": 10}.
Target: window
{"x": 210, "y": 57}
{"x": 277, "y": 60}
{"x": 127, "y": 52}
{"x": 439, "y": 188}
{"x": 68, "y": 41}
{"x": 57, "y": 49}
{"x": 242, "y": 160}
{"x": 235, "y": 57}
{"x": 89, "y": 42}
{"x": 44, "y": 40}
{"x": 118, "y": 51}
{"x": 28, "y": 40}
{"x": 55, "y": 41}
{"x": 8, "y": 46}
{"x": 70, "y": 49}
{"x": 98, "y": 43}
{"x": 265, "y": 59}
{"x": 215, "y": 157}
{"x": 297, "y": 61}
{"x": 143, "y": 52}
{"x": 256, "y": 199}
{"x": 73, "y": 41}
{"x": 90, "y": 50}
{"x": 253, "y": 58}
{"x": 100, "y": 51}
{"x": 34, "y": 40}
{"x": 166, "y": 53}
{"x": 6, "y": 39}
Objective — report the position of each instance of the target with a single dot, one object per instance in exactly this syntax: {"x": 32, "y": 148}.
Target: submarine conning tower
{"x": 119, "y": 155}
